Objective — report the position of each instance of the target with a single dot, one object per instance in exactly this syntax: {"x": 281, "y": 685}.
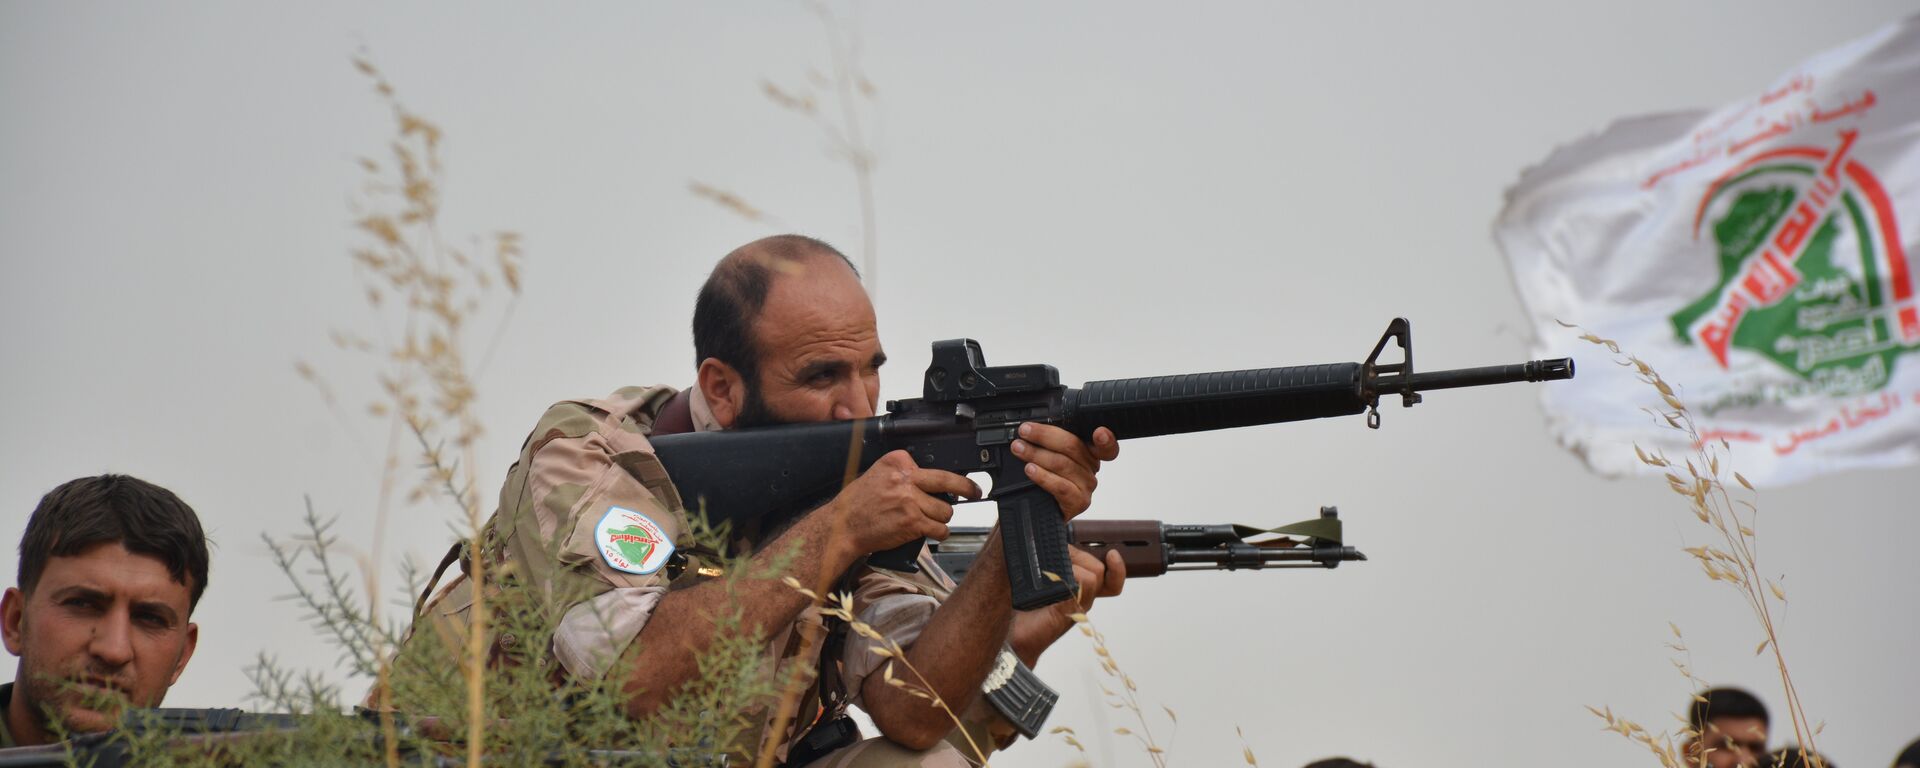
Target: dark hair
{"x": 116, "y": 509}
{"x": 1724, "y": 702}
{"x": 1909, "y": 756}
{"x": 733, "y": 295}
{"x": 1338, "y": 762}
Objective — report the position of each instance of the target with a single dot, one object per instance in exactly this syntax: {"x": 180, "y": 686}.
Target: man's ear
{"x": 13, "y": 614}
{"x": 724, "y": 390}
{"x": 186, "y": 653}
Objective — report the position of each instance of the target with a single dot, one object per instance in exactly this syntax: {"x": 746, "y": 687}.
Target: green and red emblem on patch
{"x": 1813, "y": 275}
{"x": 631, "y": 542}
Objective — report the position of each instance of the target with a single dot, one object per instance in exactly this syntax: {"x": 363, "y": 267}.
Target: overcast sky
{"x": 1118, "y": 189}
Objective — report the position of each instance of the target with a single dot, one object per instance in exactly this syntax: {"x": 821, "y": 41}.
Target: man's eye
{"x": 81, "y": 603}
{"x": 153, "y": 620}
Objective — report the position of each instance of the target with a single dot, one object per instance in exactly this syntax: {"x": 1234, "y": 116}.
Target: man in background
{"x": 1909, "y": 757}
{"x": 1730, "y": 729}
{"x": 111, "y": 568}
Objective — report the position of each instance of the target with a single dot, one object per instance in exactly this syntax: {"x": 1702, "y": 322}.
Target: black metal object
{"x": 1151, "y": 548}
{"x": 966, "y": 421}
{"x": 1019, "y": 695}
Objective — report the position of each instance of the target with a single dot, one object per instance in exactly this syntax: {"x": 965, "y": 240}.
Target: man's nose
{"x": 112, "y": 641}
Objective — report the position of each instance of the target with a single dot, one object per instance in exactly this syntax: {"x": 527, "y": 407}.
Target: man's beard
{"x": 754, "y": 411}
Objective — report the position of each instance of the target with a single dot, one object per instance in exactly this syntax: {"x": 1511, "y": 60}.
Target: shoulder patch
{"x": 631, "y": 542}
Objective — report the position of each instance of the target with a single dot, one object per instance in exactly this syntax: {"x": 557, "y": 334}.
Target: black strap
{"x": 453, "y": 556}
{"x": 831, "y": 729}
{"x": 834, "y": 696}
{"x": 824, "y": 738}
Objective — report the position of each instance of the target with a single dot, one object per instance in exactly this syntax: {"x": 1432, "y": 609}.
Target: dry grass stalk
{"x": 426, "y": 294}
{"x": 840, "y": 606}
{"x": 812, "y": 634}
{"x": 1733, "y": 560}
{"x": 847, "y": 139}
{"x": 847, "y": 127}
{"x": 1071, "y": 738}
{"x": 1127, "y": 697}
{"x": 851, "y": 146}
{"x": 728, "y": 200}
{"x": 1246, "y": 752}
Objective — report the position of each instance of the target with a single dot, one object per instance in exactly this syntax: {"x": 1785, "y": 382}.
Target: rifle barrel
{"x": 1534, "y": 370}
{"x": 1198, "y": 402}
{"x": 1233, "y": 557}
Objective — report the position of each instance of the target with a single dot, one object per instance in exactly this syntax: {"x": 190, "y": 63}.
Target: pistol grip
{"x": 905, "y": 558}
{"x": 902, "y": 558}
{"x": 1035, "y": 540}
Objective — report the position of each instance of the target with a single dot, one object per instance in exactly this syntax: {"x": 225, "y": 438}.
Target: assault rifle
{"x": 1152, "y": 548}
{"x": 967, "y": 416}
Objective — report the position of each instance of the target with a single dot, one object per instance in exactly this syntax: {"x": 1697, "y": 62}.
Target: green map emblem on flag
{"x": 1812, "y": 272}
{"x": 631, "y": 542}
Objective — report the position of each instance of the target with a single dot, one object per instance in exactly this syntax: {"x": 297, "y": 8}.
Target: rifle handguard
{"x": 1141, "y": 544}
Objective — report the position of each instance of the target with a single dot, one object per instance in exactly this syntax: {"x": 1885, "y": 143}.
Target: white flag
{"x": 1761, "y": 256}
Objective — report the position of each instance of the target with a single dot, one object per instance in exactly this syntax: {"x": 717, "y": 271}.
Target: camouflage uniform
{"x": 587, "y": 460}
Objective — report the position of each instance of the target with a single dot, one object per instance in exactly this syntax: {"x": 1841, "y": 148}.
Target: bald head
{"x": 783, "y": 252}
{"x": 731, "y": 300}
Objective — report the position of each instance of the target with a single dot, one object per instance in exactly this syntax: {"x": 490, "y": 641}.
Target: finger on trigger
{"x": 1116, "y": 575}
{"x": 942, "y": 481}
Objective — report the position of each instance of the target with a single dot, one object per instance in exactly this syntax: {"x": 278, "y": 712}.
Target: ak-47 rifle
{"x": 967, "y": 417}
{"x": 1151, "y": 547}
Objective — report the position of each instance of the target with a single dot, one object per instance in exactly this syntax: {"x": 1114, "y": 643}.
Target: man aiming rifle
{"x": 784, "y": 334}
{"x": 782, "y": 415}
